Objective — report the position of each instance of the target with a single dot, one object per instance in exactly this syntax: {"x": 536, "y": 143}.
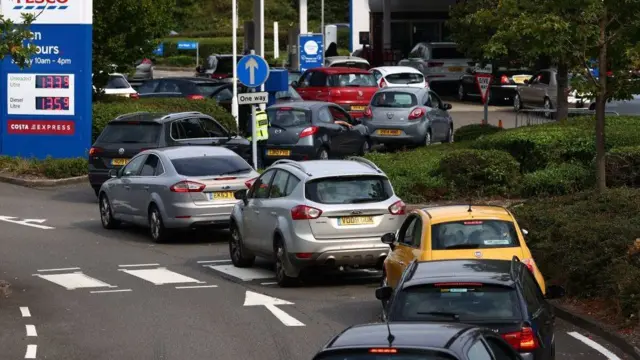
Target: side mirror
{"x": 113, "y": 173}
{"x": 389, "y": 239}
{"x": 446, "y": 106}
{"x": 384, "y": 293}
{"x": 525, "y": 232}
{"x": 295, "y": 84}
{"x": 553, "y": 292}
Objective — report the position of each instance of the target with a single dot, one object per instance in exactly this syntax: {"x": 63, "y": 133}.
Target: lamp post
{"x": 234, "y": 37}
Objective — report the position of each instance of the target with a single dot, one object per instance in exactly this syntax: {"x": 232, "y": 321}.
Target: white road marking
{"x": 31, "y": 330}
{"x": 76, "y": 280}
{"x": 161, "y": 276}
{"x": 196, "y": 287}
{"x": 31, "y": 352}
{"x": 601, "y": 349}
{"x": 61, "y": 269}
{"x": 26, "y": 222}
{"x": 110, "y": 291}
{"x": 244, "y": 274}
{"x": 213, "y": 261}
{"x": 25, "y": 311}
{"x": 257, "y": 299}
{"x": 269, "y": 283}
{"x": 138, "y": 265}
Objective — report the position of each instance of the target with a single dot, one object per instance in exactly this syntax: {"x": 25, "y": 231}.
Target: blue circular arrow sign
{"x": 253, "y": 70}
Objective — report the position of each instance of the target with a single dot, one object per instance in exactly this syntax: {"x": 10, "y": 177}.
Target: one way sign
{"x": 253, "y": 98}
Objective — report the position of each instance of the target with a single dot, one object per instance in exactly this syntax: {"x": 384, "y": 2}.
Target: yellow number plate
{"x": 273, "y": 152}
{"x": 455, "y": 69}
{"x": 119, "y": 162}
{"x": 355, "y": 220}
{"x": 222, "y": 195}
{"x": 389, "y": 132}
{"x": 357, "y": 108}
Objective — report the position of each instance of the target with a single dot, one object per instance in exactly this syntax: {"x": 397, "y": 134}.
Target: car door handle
{"x": 256, "y": 211}
{"x": 274, "y": 213}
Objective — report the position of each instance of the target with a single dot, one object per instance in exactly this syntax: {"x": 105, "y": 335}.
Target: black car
{"x": 129, "y": 134}
{"x": 505, "y": 81}
{"x": 193, "y": 88}
{"x": 307, "y": 130}
{"x": 498, "y": 294}
{"x": 419, "y": 341}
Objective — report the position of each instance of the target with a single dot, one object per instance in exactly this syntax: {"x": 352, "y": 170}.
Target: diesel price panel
{"x": 40, "y": 94}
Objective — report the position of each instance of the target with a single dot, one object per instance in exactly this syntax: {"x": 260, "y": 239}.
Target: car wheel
{"x": 323, "y": 154}
{"x": 366, "y": 147}
{"x": 237, "y": 251}
{"x": 547, "y": 106}
{"x": 281, "y": 277}
{"x": 427, "y": 138}
{"x": 462, "y": 95}
{"x": 517, "y": 103}
{"x": 450, "y": 135}
{"x": 158, "y": 232}
{"x": 106, "y": 215}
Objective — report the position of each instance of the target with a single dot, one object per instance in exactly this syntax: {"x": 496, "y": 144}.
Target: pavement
{"x": 79, "y": 291}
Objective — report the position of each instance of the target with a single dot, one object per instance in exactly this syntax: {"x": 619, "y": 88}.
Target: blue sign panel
{"x": 187, "y": 45}
{"x": 45, "y": 110}
{"x": 253, "y": 70}
{"x": 311, "y": 51}
{"x": 159, "y": 51}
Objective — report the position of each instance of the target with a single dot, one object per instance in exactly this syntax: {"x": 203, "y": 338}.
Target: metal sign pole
{"x": 486, "y": 111}
{"x": 254, "y": 140}
{"x": 197, "y": 54}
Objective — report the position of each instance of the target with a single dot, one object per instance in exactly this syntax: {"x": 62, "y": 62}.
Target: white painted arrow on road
{"x": 256, "y": 299}
{"x": 26, "y": 222}
{"x": 252, "y": 65}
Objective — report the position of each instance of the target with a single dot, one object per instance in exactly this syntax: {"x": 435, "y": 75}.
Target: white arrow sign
{"x": 26, "y": 222}
{"x": 256, "y": 299}
{"x": 252, "y": 65}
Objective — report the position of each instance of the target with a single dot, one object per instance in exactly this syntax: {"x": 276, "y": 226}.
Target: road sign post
{"x": 311, "y": 51}
{"x": 483, "y": 80}
{"x": 190, "y": 45}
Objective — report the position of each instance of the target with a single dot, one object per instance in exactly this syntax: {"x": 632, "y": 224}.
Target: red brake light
{"x": 524, "y": 340}
{"x": 94, "y": 150}
{"x": 187, "y": 186}
{"x": 308, "y": 131}
{"x": 383, "y": 351}
{"x": 195, "y": 97}
{"x": 382, "y": 83}
{"x": 134, "y": 96}
{"x": 530, "y": 264}
{"x": 249, "y": 183}
{"x": 417, "y": 113}
{"x": 368, "y": 113}
{"x": 285, "y": 109}
{"x": 302, "y": 212}
{"x": 398, "y": 208}
{"x": 504, "y": 79}
{"x": 435, "y": 64}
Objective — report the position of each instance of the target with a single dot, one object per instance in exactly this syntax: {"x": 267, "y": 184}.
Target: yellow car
{"x": 457, "y": 232}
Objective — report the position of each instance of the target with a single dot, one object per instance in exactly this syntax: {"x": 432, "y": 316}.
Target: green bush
{"x": 48, "y": 168}
{"x": 474, "y": 131}
{"x": 208, "y": 46}
{"x": 559, "y": 179}
{"x": 479, "y": 173}
{"x": 177, "y": 61}
{"x": 110, "y": 108}
{"x": 586, "y": 242}
{"x": 623, "y": 166}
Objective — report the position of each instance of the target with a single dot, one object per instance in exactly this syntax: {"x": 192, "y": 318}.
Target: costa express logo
{"x": 40, "y": 5}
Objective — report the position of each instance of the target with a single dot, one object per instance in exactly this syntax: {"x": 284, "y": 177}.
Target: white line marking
{"x": 285, "y": 318}
{"x": 213, "y": 261}
{"x": 110, "y": 291}
{"x": 76, "y": 280}
{"x": 26, "y": 222}
{"x": 31, "y": 330}
{"x": 269, "y": 283}
{"x": 594, "y": 345}
{"x": 25, "y": 311}
{"x": 244, "y": 274}
{"x": 31, "y": 352}
{"x": 139, "y": 265}
{"x": 256, "y": 299}
{"x": 196, "y": 286}
{"x": 60, "y": 269}
{"x": 161, "y": 276}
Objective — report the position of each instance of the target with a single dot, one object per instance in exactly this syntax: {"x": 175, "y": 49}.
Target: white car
{"x": 441, "y": 62}
{"x": 118, "y": 85}
{"x": 399, "y": 76}
{"x": 347, "y": 61}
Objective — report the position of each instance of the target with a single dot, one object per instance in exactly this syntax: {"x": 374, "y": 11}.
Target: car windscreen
{"x": 456, "y": 301}
{"x": 288, "y": 117}
{"x": 290, "y": 94}
{"x": 474, "y": 234}
{"x": 348, "y": 190}
{"x": 199, "y": 166}
{"x": 394, "y": 99}
{"x": 399, "y": 354}
{"x": 352, "y": 80}
{"x": 404, "y": 78}
{"x": 130, "y": 133}
{"x": 446, "y": 53}
{"x": 117, "y": 82}
{"x": 207, "y": 88}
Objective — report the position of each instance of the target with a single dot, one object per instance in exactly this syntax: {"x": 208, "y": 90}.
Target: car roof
{"x": 306, "y": 105}
{"x": 180, "y": 152}
{"x": 440, "y": 214}
{"x": 397, "y": 70}
{"x": 329, "y": 168}
{"x": 192, "y": 78}
{"x": 441, "y": 44}
{"x": 408, "y": 89}
{"x": 158, "y": 117}
{"x": 348, "y": 58}
{"x": 488, "y": 271}
{"x": 340, "y": 70}
{"x": 430, "y": 335}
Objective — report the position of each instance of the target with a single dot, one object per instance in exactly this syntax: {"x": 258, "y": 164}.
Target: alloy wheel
{"x": 105, "y": 211}
{"x": 154, "y": 224}
{"x": 234, "y": 245}
{"x": 279, "y": 263}
{"x": 516, "y": 103}
{"x": 460, "y": 92}
{"x": 427, "y": 139}
{"x": 324, "y": 155}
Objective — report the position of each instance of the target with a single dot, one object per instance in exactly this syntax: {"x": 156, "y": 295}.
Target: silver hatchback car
{"x": 320, "y": 213}
{"x": 175, "y": 187}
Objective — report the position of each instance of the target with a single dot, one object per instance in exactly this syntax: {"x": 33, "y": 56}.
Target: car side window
{"x": 148, "y": 87}
{"x": 224, "y": 95}
{"x": 416, "y": 52}
{"x": 529, "y": 291}
{"x": 535, "y": 79}
{"x": 324, "y": 116}
{"x": 339, "y": 115}
{"x": 260, "y": 188}
{"x": 408, "y": 231}
{"x": 545, "y": 78}
{"x": 478, "y": 351}
{"x": 318, "y": 79}
{"x": 168, "y": 86}
{"x": 212, "y": 127}
{"x": 435, "y": 100}
{"x": 291, "y": 184}
{"x": 151, "y": 166}
{"x": 377, "y": 74}
{"x": 133, "y": 167}
{"x": 304, "y": 79}
{"x": 177, "y": 132}
{"x": 193, "y": 129}
{"x": 500, "y": 349}
{"x": 279, "y": 184}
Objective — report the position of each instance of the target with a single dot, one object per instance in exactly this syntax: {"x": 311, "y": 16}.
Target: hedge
{"x": 623, "y": 166}
{"x": 48, "y": 168}
{"x": 561, "y": 179}
{"x": 474, "y": 131}
{"x": 208, "y": 46}
{"x": 177, "y": 61}
{"x": 587, "y": 243}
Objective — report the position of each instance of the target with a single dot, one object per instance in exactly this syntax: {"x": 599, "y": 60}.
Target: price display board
{"x": 40, "y": 94}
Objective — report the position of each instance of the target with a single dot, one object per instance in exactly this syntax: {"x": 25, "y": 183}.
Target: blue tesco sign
{"x": 187, "y": 45}
{"x": 159, "y": 51}
{"x": 253, "y": 70}
{"x": 45, "y": 110}
{"x": 311, "y": 51}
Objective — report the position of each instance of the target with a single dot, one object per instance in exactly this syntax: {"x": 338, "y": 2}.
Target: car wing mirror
{"x": 389, "y": 239}
{"x": 446, "y": 106}
{"x": 294, "y": 84}
{"x": 555, "y": 292}
{"x": 113, "y": 173}
{"x": 525, "y": 232}
{"x": 384, "y": 293}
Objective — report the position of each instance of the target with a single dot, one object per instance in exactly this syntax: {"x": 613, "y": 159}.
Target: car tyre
{"x": 106, "y": 214}
{"x": 366, "y": 147}
{"x": 517, "y": 103}
{"x": 282, "y": 278}
{"x": 323, "y": 154}
{"x": 159, "y": 233}
{"x": 427, "y": 138}
{"x": 462, "y": 94}
{"x": 548, "y": 106}
{"x": 238, "y": 254}
{"x": 450, "y": 135}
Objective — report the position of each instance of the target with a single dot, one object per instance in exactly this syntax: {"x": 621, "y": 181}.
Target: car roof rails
{"x": 293, "y": 163}
{"x": 513, "y": 271}
{"x": 364, "y": 161}
{"x": 181, "y": 113}
{"x": 131, "y": 114}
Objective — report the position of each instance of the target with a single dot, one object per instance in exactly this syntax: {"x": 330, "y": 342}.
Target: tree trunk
{"x": 562, "y": 105}
{"x": 601, "y": 101}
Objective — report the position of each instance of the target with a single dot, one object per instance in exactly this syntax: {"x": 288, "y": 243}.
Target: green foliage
{"x": 623, "y": 166}
{"x": 49, "y": 168}
{"x": 474, "y": 131}
{"x": 17, "y": 40}
{"x": 561, "y": 179}
{"x": 208, "y": 46}
{"x": 177, "y": 61}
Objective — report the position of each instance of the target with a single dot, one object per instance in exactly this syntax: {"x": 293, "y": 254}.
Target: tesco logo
{"x": 41, "y": 1}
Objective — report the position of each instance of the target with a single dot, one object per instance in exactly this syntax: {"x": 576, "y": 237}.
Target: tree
{"x": 17, "y": 40}
{"x": 124, "y": 32}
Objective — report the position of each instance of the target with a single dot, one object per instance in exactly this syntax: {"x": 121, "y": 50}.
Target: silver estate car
{"x": 176, "y": 187}
{"x": 319, "y": 213}
{"x": 408, "y": 116}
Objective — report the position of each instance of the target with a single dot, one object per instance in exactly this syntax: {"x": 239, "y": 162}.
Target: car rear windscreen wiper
{"x": 236, "y": 171}
{"x": 454, "y": 316}
{"x": 463, "y": 246}
{"x": 361, "y": 200}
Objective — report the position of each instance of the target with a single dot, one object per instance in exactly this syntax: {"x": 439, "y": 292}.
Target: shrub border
{"x": 4, "y": 178}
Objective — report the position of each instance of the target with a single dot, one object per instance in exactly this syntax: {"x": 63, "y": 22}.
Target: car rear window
{"x": 400, "y": 354}
{"x": 474, "y": 234}
{"x": 348, "y": 190}
{"x": 288, "y": 117}
{"x": 210, "y": 166}
{"x": 353, "y": 80}
{"x": 446, "y": 53}
{"x": 207, "y": 88}
{"x": 131, "y": 133}
{"x": 456, "y": 301}
{"x": 394, "y": 99}
{"x": 117, "y": 82}
{"x": 353, "y": 64}
{"x": 290, "y": 94}
{"x": 404, "y": 78}
{"x": 225, "y": 65}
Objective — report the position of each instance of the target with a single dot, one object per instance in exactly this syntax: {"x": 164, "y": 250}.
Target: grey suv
{"x": 320, "y": 213}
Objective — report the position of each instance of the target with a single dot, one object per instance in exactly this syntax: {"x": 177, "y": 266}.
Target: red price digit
{"x": 49, "y": 103}
{"x": 66, "y": 82}
{"x": 41, "y": 103}
{"x": 58, "y": 82}
{"x": 57, "y": 104}
{"x": 66, "y": 103}
{"x": 50, "y": 82}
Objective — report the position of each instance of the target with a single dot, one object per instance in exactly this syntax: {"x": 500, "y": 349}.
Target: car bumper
{"x": 410, "y": 133}
{"x": 503, "y": 92}
{"x": 191, "y": 215}
{"x": 365, "y": 257}
{"x": 98, "y": 177}
{"x": 528, "y": 356}
{"x": 297, "y": 152}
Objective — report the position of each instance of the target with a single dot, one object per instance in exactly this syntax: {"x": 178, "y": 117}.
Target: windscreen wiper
{"x": 236, "y": 171}
{"x": 454, "y": 316}
{"x": 361, "y": 200}
{"x": 463, "y": 246}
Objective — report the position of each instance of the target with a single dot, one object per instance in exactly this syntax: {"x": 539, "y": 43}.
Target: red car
{"x": 350, "y": 88}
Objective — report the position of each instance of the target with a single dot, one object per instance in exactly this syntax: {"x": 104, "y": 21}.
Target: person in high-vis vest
{"x": 262, "y": 135}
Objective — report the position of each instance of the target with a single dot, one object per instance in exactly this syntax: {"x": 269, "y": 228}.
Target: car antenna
{"x": 469, "y": 210}
{"x": 390, "y": 337}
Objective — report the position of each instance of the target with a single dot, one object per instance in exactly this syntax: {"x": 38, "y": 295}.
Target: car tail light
{"x": 187, "y": 186}
{"x": 383, "y": 351}
{"x": 147, "y": 61}
{"x": 303, "y": 212}
{"x": 524, "y": 340}
{"x": 368, "y": 113}
{"x": 308, "y": 131}
{"x": 435, "y": 64}
{"x": 249, "y": 183}
{"x": 504, "y": 79}
{"x": 530, "y": 264}
{"x": 134, "y": 96}
{"x": 195, "y": 97}
{"x": 398, "y": 208}
{"x": 382, "y": 83}
{"x": 95, "y": 150}
{"x": 416, "y": 114}
{"x": 304, "y": 255}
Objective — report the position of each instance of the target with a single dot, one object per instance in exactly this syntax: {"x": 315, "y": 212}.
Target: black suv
{"x": 132, "y": 133}
{"x": 501, "y": 295}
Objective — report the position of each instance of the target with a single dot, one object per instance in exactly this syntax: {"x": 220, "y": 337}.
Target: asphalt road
{"x": 81, "y": 292}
